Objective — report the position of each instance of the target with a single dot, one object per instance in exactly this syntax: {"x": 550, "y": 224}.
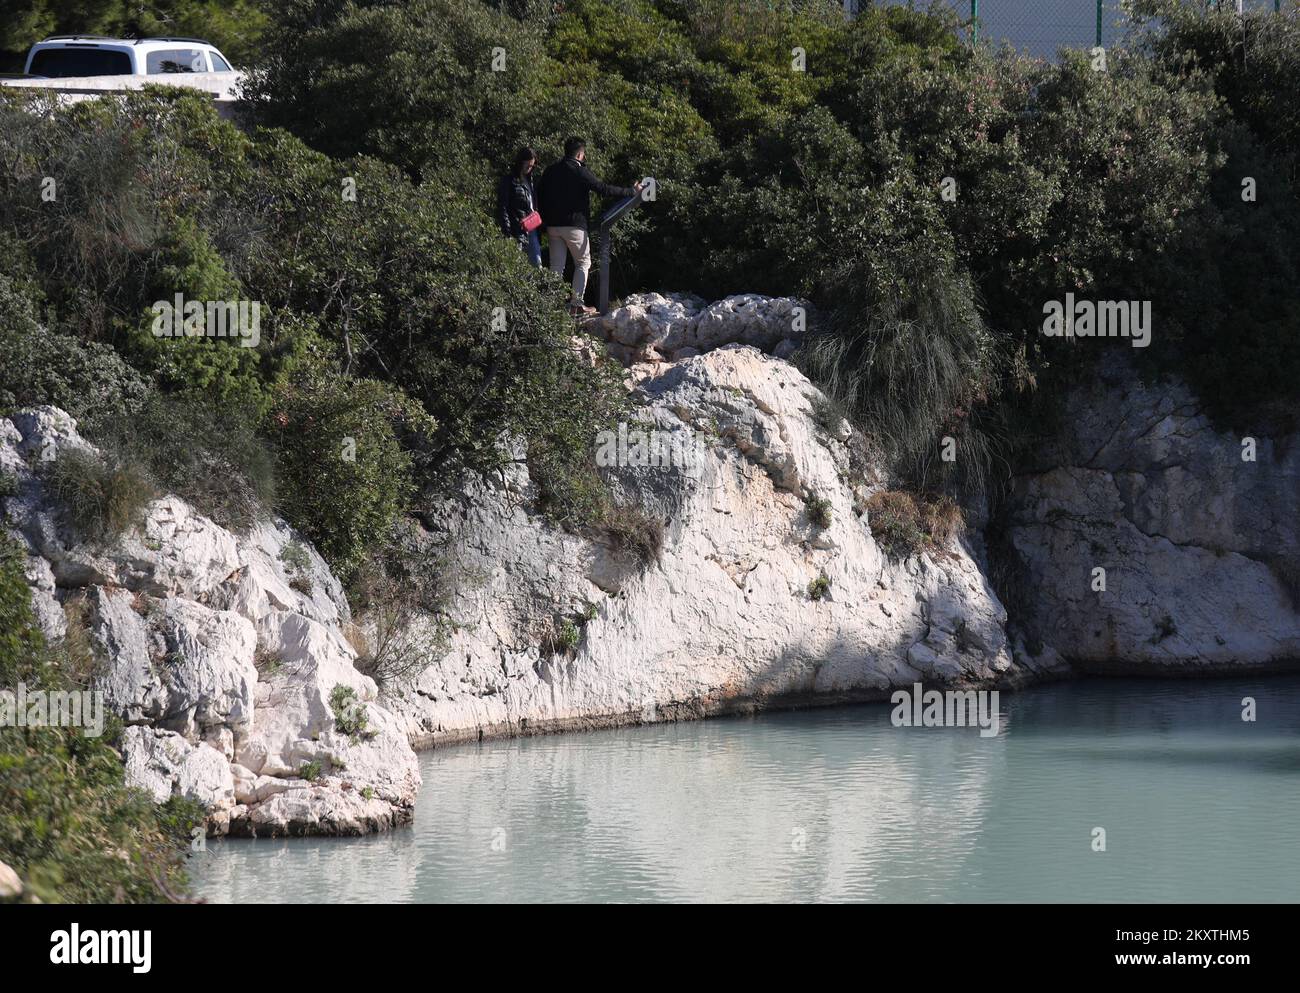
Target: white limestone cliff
{"x": 220, "y": 657}
{"x": 725, "y": 618}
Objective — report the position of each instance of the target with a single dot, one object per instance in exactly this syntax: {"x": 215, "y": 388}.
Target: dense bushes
{"x": 1251, "y": 58}
{"x": 344, "y": 473}
{"x": 824, "y": 180}
{"x": 828, "y": 181}
{"x": 391, "y": 320}
{"x": 68, "y": 826}
{"x": 88, "y": 380}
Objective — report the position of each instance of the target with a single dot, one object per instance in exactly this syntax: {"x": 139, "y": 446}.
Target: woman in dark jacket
{"x": 516, "y": 199}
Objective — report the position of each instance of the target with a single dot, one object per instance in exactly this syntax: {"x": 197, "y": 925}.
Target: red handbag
{"x": 531, "y": 222}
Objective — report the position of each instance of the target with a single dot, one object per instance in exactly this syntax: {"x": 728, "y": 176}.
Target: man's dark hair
{"x": 573, "y": 146}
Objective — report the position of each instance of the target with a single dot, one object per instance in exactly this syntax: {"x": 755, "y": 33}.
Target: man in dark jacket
{"x": 564, "y": 194}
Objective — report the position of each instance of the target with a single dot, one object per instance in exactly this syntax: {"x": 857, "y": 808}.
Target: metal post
{"x": 974, "y": 21}
{"x": 1100, "y": 3}
{"x": 606, "y": 234}
{"x": 604, "y": 269}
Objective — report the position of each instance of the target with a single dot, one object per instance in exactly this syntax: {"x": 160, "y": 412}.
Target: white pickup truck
{"x": 84, "y": 67}
{"x": 63, "y": 56}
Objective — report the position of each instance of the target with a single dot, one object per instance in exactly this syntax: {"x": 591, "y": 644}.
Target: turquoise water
{"x": 838, "y": 804}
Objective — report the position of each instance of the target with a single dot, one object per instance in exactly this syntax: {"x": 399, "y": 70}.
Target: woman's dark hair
{"x": 524, "y": 154}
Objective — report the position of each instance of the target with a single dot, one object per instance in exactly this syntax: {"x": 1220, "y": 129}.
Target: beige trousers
{"x": 576, "y": 241}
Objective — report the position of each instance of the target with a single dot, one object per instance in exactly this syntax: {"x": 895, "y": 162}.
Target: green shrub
{"x": 560, "y": 637}
{"x": 20, "y": 639}
{"x": 310, "y": 771}
{"x": 819, "y": 587}
{"x": 819, "y": 510}
{"x": 102, "y": 497}
{"x": 295, "y": 556}
{"x": 344, "y": 475}
{"x": 1250, "y": 57}
{"x": 69, "y": 827}
{"x": 88, "y": 380}
{"x": 349, "y": 712}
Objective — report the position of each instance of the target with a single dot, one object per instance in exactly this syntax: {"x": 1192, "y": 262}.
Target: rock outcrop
{"x": 768, "y": 589}
{"x": 1199, "y": 546}
{"x": 656, "y": 327}
{"x": 223, "y": 654}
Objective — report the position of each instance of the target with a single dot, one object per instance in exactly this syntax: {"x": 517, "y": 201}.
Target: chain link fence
{"x": 1041, "y": 27}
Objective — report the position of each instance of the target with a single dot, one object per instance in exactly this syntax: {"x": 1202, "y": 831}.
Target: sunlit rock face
{"x": 769, "y": 588}
{"x": 219, "y": 651}
{"x": 760, "y": 585}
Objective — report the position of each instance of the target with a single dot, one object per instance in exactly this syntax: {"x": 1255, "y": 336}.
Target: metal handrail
{"x": 607, "y": 220}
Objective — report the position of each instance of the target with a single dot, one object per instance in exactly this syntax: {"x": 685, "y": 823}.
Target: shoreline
{"x": 749, "y": 706}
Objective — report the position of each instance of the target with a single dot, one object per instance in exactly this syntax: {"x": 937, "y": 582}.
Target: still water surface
{"x": 838, "y": 804}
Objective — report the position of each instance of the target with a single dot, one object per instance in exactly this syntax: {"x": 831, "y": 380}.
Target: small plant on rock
{"x": 819, "y": 587}
{"x": 905, "y": 525}
{"x": 819, "y": 510}
{"x": 266, "y": 661}
{"x": 103, "y": 499}
{"x": 630, "y": 529}
{"x": 310, "y": 771}
{"x": 560, "y": 637}
{"x": 349, "y": 712}
{"x": 568, "y": 636}
{"x": 295, "y": 556}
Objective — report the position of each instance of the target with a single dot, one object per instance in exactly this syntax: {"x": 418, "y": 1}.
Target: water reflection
{"x": 840, "y": 805}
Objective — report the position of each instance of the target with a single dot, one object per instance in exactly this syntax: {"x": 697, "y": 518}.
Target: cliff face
{"x": 1199, "y": 545}
{"x": 769, "y": 587}
{"x": 220, "y": 656}
{"x": 226, "y": 654}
